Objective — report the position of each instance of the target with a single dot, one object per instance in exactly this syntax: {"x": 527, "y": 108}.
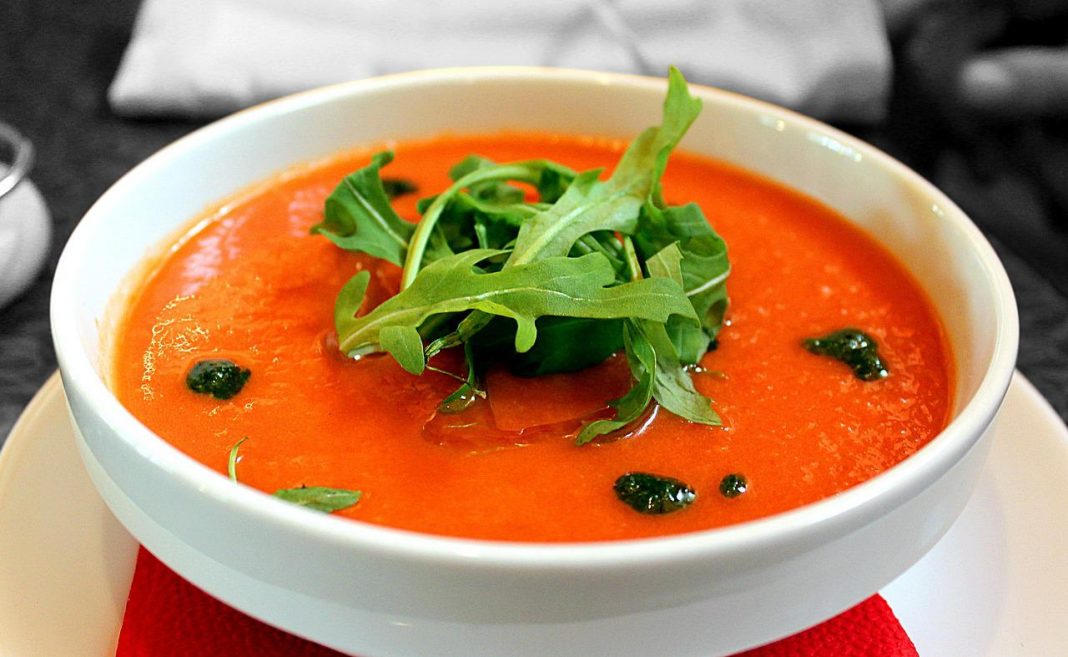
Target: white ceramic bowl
{"x": 384, "y": 593}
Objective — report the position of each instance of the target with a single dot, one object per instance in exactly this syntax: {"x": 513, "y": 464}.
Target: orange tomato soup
{"x": 254, "y": 286}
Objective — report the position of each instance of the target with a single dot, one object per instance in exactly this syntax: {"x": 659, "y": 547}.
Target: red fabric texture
{"x": 169, "y": 617}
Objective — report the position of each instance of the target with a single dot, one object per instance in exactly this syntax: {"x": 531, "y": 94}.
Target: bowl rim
{"x": 885, "y": 490}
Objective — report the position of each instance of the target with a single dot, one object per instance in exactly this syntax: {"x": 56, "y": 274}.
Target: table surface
{"x": 57, "y": 59}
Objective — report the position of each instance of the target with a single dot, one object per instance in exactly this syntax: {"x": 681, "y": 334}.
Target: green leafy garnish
{"x": 853, "y": 347}
{"x": 359, "y": 217}
{"x": 653, "y": 494}
{"x": 320, "y": 498}
{"x": 559, "y": 286}
{"x": 220, "y": 378}
{"x": 553, "y": 283}
{"x": 317, "y": 498}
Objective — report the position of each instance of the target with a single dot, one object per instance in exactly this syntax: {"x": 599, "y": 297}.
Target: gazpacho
{"x": 527, "y": 337}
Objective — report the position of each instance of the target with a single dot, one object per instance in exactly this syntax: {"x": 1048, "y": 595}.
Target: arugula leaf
{"x": 564, "y": 344}
{"x": 483, "y": 176}
{"x": 464, "y": 396}
{"x": 666, "y": 263}
{"x": 348, "y": 302}
{"x": 320, "y": 498}
{"x": 586, "y": 206}
{"x": 358, "y": 215}
{"x": 672, "y": 385}
{"x": 605, "y": 243}
{"x": 497, "y": 192}
{"x": 560, "y": 286}
{"x": 690, "y": 340}
{"x": 629, "y": 407}
{"x": 469, "y": 222}
{"x": 703, "y": 270}
{"x": 655, "y": 364}
{"x": 403, "y": 341}
{"x": 552, "y": 181}
{"x": 653, "y": 147}
{"x": 590, "y": 205}
{"x": 704, "y": 265}
{"x": 548, "y": 285}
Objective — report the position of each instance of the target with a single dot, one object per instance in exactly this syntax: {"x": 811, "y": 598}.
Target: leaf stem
{"x": 451, "y": 375}
{"x": 475, "y": 321}
{"x": 231, "y": 463}
{"x": 633, "y": 265}
{"x": 413, "y": 260}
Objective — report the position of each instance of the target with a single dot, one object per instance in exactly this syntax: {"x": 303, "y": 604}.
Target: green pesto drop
{"x": 733, "y": 485}
{"x": 395, "y": 187}
{"x": 653, "y": 494}
{"x": 220, "y": 378}
{"x": 854, "y": 348}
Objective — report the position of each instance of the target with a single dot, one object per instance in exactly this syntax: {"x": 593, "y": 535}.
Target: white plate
{"x": 995, "y": 586}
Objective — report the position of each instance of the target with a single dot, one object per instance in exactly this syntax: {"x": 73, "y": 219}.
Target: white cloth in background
{"x": 827, "y": 58}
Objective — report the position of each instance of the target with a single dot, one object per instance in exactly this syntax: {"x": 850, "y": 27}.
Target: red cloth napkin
{"x": 169, "y": 617}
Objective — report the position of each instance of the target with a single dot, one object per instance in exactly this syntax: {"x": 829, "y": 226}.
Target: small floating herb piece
{"x": 220, "y": 378}
{"x": 854, "y": 348}
{"x": 394, "y": 187}
{"x": 733, "y": 485}
{"x": 653, "y": 494}
{"x": 231, "y": 463}
{"x": 317, "y": 498}
{"x": 320, "y": 498}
